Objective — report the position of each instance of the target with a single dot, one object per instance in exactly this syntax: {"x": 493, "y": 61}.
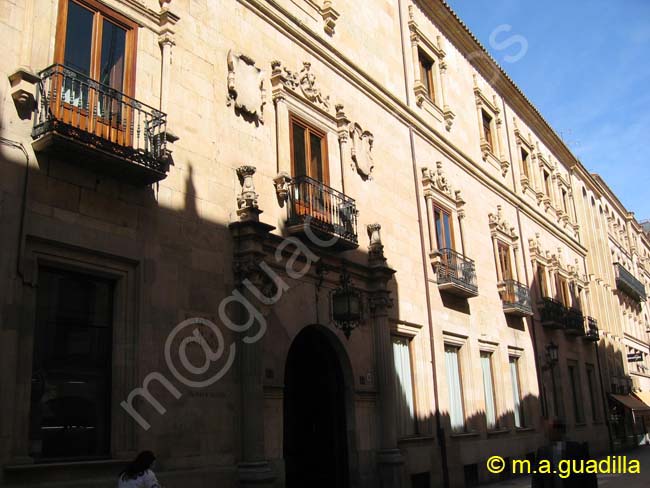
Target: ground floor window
{"x": 71, "y": 375}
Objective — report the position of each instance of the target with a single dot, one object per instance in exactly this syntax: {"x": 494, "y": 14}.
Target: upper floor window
{"x": 487, "y": 130}
{"x": 426, "y": 74}
{"x": 541, "y": 280}
{"x": 97, "y": 43}
{"x": 504, "y": 260}
{"x": 308, "y": 151}
{"x": 443, "y": 226}
{"x": 524, "y": 163}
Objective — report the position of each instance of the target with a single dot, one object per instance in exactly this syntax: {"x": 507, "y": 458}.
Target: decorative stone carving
{"x": 498, "y": 223}
{"x": 330, "y": 16}
{"x": 535, "y": 245}
{"x": 23, "y": 87}
{"x": 375, "y": 248}
{"x": 247, "y": 199}
{"x": 282, "y": 181}
{"x": 246, "y": 87}
{"x": 362, "y": 141}
{"x": 438, "y": 180}
{"x": 302, "y": 82}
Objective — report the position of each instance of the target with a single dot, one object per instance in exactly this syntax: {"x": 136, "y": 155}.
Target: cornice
{"x": 285, "y": 22}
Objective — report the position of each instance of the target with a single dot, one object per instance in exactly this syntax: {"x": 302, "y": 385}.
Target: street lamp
{"x": 552, "y": 354}
{"x": 346, "y": 305}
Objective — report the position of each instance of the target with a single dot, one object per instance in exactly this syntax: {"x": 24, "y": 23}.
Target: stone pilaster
{"x": 389, "y": 458}
{"x": 249, "y": 235}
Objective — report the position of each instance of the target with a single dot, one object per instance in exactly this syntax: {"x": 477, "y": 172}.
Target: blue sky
{"x": 587, "y": 70}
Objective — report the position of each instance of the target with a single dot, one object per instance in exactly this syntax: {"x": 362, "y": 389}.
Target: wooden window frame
{"x": 487, "y": 120}
{"x": 309, "y": 129}
{"x": 505, "y": 247}
{"x": 101, "y": 12}
{"x": 444, "y": 210}
{"x": 427, "y": 78}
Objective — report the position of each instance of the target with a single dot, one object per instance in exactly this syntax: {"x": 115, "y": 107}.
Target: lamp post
{"x": 346, "y": 305}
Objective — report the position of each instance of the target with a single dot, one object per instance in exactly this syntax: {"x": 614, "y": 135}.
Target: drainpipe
{"x": 21, "y": 227}
{"x": 440, "y": 432}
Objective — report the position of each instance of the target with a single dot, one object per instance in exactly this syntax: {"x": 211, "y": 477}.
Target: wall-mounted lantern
{"x": 346, "y": 305}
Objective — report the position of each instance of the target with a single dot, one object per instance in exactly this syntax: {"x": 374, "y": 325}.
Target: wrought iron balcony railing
{"x": 552, "y": 313}
{"x": 574, "y": 321}
{"x": 515, "y": 297}
{"x": 592, "y": 333}
{"x": 104, "y": 127}
{"x": 456, "y": 273}
{"x": 626, "y": 282}
{"x": 326, "y": 212}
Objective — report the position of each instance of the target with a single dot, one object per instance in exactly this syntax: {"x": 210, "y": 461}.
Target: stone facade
{"x": 216, "y": 228}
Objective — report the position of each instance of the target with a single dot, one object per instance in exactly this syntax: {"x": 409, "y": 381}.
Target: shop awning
{"x": 639, "y": 409}
{"x": 632, "y": 402}
{"x": 644, "y": 396}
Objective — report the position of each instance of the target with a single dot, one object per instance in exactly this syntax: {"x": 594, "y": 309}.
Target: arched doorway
{"x": 315, "y": 427}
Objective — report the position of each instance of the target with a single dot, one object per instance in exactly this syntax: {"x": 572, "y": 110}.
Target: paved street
{"x": 641, "y": 480}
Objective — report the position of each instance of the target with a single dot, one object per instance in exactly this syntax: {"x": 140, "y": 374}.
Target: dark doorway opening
{"x": 315, "y": 434}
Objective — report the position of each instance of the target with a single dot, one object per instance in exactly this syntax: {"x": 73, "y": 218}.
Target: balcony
{"x": 81, "y": 120}
{"x": 575, "y": 322}
{"x": 314, "y": 207}
{"x": 456, "y": 274}
{"x": 592, "y": 333}
{"x": 552, "y": 313}
{"x": 515, "y": 298}
{"x": 628, "y": 284}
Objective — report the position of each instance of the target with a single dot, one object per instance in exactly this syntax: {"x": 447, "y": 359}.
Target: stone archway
{"x": 317, "y": 413}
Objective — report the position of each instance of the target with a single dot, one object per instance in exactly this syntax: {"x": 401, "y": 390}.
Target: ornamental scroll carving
{"x": 302, "y": 82}
{"x": 498, "y": 223}
{"x": 246, "y": 87}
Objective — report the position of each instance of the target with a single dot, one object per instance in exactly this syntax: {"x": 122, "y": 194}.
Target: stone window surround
{"x": 290, "y": 102}
{"x": 502, "y": 232}
{"x": 553, "y": 266}
{"x": 437, "y": 107}
{"x": 494, "y": 154}
{"x": 124, "y": 356}
{"x": 525, "y": 144}
{"x": 438, "y": 193}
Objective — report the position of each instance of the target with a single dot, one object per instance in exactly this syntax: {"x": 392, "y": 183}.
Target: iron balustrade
{"x": 322, "y": 208}
{"x": 457, "y": 269}
{"x": 574, "y": 321}
{"x": 552, "y": 313}
{"x": 515, "y": 295}
{"x": 76, "y": 106}
{"x": 626, "y": 282}
{"x": 592, "y": 333}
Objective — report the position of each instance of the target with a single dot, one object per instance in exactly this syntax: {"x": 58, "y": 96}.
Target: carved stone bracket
{"x": 330, "y": 16}
{"x": 302, "y": 83}
{"x": 246, "y": 87}
{"x": 247, "y": 199}
{"x": 23, "y": 90}
{"x": 437, "y": 180}
{"x": 281, "y": 182}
